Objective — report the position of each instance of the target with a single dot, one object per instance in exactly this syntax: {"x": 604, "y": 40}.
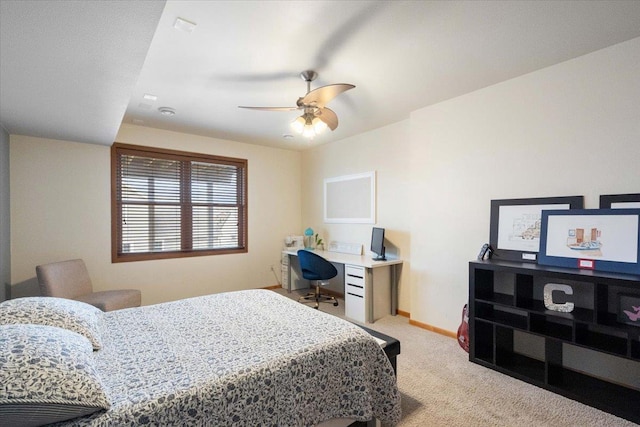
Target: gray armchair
{"x": 70, "y": 279}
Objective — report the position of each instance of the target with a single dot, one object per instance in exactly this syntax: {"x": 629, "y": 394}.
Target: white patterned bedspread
{"x": 247, "y": 358}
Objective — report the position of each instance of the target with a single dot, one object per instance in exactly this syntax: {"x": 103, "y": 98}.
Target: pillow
{"x": 46, "y": 375}
{"x": 75, "y": 316}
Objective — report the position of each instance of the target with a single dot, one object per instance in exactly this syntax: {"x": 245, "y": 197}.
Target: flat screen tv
{"x": 377, "y": 243}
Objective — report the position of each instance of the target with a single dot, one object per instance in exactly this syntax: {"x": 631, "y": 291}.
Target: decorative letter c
{"x": 567, "y": 307}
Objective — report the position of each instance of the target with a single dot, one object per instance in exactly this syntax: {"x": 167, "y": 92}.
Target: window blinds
{"x": 178, "y": 203}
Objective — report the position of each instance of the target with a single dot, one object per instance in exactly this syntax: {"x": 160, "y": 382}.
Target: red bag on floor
{"x": 463, "y": 329}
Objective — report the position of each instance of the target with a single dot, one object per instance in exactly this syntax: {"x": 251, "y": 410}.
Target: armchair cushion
{"x": 113, "y": 300}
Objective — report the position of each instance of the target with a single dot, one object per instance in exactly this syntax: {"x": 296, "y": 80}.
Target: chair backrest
{"x": 66, "y": 279}
{"x": 314, "y": 267}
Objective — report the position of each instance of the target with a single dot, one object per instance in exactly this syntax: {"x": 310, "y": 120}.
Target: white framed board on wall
{"x": 350, "y": 198}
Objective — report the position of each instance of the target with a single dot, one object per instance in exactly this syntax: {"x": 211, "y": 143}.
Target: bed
{"x": 231, "y": 359}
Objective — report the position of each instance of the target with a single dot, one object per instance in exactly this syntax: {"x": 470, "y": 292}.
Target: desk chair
{"x": 319, "y": 270}
{"x": 70, "y": 279}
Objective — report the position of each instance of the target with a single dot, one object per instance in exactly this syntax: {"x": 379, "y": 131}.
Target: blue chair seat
{"x": 318, "y": 270}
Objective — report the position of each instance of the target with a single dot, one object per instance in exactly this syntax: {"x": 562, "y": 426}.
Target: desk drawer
{"x": 350, "y": 288}
{"x": 354, "y": 275}
{"x": 354, "y": 307}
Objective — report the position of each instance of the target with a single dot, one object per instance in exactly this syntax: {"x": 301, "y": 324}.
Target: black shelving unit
{"x": 512, "y": 332}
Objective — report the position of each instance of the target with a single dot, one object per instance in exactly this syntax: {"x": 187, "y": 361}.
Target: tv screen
{"x": 377, "y": 243}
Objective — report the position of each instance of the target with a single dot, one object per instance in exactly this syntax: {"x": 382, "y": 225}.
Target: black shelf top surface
{"x": 578, "y": 314}
{"x": 505, "y": 319}
{"x": 496, "y": 298}
{"x": 537, "y": 269}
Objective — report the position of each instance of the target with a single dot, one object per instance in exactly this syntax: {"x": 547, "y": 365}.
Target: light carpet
{"x": 440, "y": 387}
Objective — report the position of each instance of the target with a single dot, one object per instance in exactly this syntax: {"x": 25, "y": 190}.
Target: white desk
{"x": 362, "y": 303}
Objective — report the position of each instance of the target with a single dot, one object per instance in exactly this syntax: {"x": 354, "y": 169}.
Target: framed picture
{"x": 629, "y": 309}
{"x": 620, "y": 201}
{"x": 350, "y": 199}
{"x": 515, "y": 225}
{"x": 598, "y": 239}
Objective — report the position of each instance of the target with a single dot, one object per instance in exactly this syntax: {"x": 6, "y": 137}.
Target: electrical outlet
{"x": 273, "y": 270}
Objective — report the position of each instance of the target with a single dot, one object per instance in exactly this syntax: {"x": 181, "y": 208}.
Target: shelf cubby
{"x": 501, "y": 315}
{"x": 635, "y": 349}
{"x": 552, "y": 326}
{"x": 484, "y": 341}
{"x": 521, "y": 365}
{"x": 634, "y": 343}
{"x": 604, "y": 395}
{"x": 590, "y": 336}
{"x": 484, "y": 284}
{"x": 523, "y": 290}
{"x": 498, "y": 298}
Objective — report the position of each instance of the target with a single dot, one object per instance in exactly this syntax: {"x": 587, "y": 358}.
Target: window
{"x": 170, "y": 204}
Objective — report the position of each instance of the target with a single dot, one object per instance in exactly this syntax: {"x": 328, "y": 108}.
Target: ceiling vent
{"x": 166, "y": 111}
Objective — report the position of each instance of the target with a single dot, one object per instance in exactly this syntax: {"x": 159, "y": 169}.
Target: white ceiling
{"x": 69, "y": 70}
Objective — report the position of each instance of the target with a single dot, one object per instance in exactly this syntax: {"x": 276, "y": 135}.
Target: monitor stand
{"x": 379, "y": 258}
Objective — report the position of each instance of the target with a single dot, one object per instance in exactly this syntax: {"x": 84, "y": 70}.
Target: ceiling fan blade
{"x": 322, "y": 95}
{"x": 329, "y": 117}
{"x": 254, "y": 77}
{"x": 270, "y": 108}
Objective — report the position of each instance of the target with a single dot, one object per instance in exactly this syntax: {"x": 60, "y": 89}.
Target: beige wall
{"x": 570, "y": 129}
{"x": 5, "y": 215}
{"x": 384, "y": 151}
{"x": 60, "y": 209}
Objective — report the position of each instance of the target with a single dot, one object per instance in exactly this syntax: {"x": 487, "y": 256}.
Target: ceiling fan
{"x": 316, "y": 116}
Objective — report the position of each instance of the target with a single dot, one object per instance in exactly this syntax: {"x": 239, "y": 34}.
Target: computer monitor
{"x": 377, "y": 243}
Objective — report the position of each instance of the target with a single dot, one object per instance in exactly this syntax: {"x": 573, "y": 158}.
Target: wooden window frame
{"x": 186, "y": 206}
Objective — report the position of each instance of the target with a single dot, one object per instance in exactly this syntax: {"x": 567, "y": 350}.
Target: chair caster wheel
{"x": 335, "y": 304}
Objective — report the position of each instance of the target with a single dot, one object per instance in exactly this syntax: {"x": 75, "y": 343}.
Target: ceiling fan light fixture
{"x": 298, "y": 124}
{"x": 308, "y": 125}
{"x": 308, "y": 132}
{"x": 318, "y": 125}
